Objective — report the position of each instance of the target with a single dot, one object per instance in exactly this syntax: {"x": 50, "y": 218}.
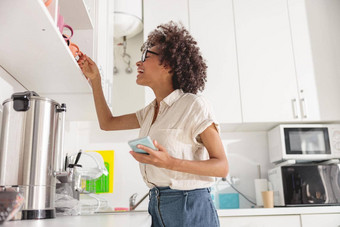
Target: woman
{"x": 190, "y": 152}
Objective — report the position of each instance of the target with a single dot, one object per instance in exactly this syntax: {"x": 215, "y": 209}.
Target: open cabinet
{"x": 33, "y": 51}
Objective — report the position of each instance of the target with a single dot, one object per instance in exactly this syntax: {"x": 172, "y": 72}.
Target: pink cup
{"x": 61, "y": 25}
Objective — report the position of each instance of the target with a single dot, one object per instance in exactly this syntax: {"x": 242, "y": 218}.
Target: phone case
{"x": 145, "y": 141}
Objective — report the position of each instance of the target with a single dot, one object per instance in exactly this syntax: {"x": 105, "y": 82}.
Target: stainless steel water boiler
{"x": 31, "y": 151}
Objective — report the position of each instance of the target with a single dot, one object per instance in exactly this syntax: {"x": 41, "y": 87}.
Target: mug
{"x": 75, "y": 50}
{"x": 47, "y": 2}
{"x": 61, "y": 25}
{"x": 67, "y": 40}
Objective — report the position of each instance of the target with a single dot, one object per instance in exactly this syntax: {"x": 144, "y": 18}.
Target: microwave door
{"x": 307, "y": 141}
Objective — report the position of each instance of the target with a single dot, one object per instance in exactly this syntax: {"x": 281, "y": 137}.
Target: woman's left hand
{"x": 160, "y": 158}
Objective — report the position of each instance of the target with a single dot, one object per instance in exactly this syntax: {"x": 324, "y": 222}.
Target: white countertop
{"x": 278, "y": 211}
{"x": 121, "y": 219}
{"x": 143, "y": 219}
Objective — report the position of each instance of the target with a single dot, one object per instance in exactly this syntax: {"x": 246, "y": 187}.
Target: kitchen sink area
{"x": 122, "y": 212}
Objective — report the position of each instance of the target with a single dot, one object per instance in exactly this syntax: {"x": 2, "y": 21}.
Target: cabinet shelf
{"x": 75, "y": 14}
{"x": 33, "y": 51}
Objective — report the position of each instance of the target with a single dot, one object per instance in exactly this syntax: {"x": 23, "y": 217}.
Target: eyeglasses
{"x": 145, "y": 53}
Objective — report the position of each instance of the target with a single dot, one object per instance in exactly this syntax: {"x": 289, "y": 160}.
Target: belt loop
{"x": 209, "y": 189}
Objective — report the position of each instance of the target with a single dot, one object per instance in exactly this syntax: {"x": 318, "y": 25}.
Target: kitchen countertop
{"x": 143, "y": 219}
{"x": 118, "y": 219}
{"x": 278, "y": 211}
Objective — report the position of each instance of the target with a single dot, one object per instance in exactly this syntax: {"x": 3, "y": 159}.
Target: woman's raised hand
{"x": 88, "y": 67}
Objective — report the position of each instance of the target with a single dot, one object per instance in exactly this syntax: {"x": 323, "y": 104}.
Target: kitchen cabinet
{"x": 266, "y": 64}
{"x": 104, "y": 45}
{"x": 288, "y": 69}
{"x": 316, "y": 220}
{"x": 157, "y": 12}
{"x": 33, "y": 51}
{"x": 268, "y": 61}
{"x": 281, "y": 216}
{"x": 216, "y": 39}
{"x": 97, "y": 43}
{"x": 0, "y": 119}
{"x": 215, "y": 35}
{"x": 261, "y": 221}
{"x": 315, "y": 29}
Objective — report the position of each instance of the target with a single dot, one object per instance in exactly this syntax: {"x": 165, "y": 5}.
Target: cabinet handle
{"x": 303, "y": 108}
{"x": 294, "y": 109}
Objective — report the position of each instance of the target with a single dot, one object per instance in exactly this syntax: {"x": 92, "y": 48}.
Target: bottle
{"x": 226, "y": 196}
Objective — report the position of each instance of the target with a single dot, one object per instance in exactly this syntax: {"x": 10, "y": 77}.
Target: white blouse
{"x": 182, "y": 117}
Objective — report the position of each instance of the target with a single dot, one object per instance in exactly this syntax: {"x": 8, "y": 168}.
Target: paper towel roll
{"x": 260, "y": 186}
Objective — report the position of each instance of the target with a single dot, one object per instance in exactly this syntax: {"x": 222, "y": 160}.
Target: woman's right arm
{"x": 106, "y": 120}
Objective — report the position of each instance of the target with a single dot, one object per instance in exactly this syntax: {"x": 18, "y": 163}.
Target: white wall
{"x": 246, "y": 151}
{"x": 126, "y": 94}
{"x": 8, "y": 86}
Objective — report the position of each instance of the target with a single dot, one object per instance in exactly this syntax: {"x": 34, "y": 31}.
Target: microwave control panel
{"x": 334, "y": 132}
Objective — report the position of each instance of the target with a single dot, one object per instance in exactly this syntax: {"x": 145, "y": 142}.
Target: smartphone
{"x": 145, "y": 141}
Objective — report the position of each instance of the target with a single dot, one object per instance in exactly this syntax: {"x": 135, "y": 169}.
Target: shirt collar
{"x": 171, "y": 98}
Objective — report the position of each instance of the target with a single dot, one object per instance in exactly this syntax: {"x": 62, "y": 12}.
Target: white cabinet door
{"x": 315, "y": 28}
{"x": 98, "y": 45}
{"x": 317, "y": 220}
{"x": 104, "y": 45}
{"x": 303, "y": 60}
{"x": 0, "y": 119}
{"x": 157, "y": 12}
{"x": 266, "y": 64}
{"x": 215, "y": 35}
{"x": 261, "y": 221}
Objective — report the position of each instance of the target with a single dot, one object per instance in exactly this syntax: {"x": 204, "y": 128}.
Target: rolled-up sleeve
{"x": 202, "y": 117}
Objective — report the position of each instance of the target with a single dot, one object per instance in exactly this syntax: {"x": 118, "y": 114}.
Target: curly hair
{"x": 178, "y": 50}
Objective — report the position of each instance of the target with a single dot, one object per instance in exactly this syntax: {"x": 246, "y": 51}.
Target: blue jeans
{"x": 177, "y": 208}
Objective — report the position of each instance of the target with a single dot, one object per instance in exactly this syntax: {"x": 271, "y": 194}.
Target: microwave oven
{"x": 304, "y": 142}
{"x": 305, "y": 184}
